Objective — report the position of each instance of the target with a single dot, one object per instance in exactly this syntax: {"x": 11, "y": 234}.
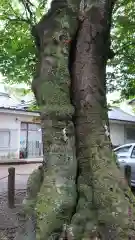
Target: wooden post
{"x": 11, "y": 187}
{"x": 128, "y": 175}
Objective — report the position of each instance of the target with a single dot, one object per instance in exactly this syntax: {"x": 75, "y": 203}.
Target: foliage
{"x": 122, "y": 76}
{"x": 18, "y": 52}
{"x": 34, "y": 107}
{"x": 17, "y": 48}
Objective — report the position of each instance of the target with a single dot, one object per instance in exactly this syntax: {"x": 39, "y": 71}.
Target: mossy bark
{"x": 82, "y": 195}
{"x": 56, "y": 199}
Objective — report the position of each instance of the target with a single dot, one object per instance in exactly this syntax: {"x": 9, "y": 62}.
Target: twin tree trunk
{"x": 82, "y": 195}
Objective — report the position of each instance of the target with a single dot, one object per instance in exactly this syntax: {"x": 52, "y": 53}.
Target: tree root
{"x": 27, "y": 219}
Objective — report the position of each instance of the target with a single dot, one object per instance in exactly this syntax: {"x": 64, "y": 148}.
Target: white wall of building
{"x": 117, "y": 133}
{"x": 11, "y": 123}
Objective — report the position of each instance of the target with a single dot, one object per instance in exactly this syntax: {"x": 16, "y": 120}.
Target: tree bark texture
{"x": 102, "y": 209}
{"x": 82, "y": 196}
{"x": 56, "y": 200}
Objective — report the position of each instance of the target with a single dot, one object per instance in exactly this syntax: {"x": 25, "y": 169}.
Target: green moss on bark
{"x": 57, "y": 197}
{"x": 33, "y": 187}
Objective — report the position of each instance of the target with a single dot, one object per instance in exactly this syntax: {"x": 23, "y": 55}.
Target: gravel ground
{"x": 8, "y": 217}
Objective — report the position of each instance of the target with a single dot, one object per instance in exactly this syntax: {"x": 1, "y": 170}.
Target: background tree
{"x": 122, "y": 76}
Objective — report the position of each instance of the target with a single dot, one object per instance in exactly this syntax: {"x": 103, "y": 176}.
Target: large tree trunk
{"x": 57, "y": 197}
{"x": 102, "y": 209}
{"x": 81, "y": 197}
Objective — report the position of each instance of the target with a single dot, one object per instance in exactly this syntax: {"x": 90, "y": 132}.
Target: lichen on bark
{"x": 33, "y": 187}
{"x": 57, "y": 197}
{"x": 51, "y": 83}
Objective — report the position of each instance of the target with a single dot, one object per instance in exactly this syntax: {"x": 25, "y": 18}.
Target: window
{"x": 133, "y": 153}
{"x": 34, "y": 127}
{"x": 23, "y": 126}
{"x": 30, "y": 126}
{"x": 30, "y": 139}
{"x": 37, "y": 144}
{"x": 131, "y": 133}
{"x": 123, "y": 149}
{"x": 4, "y": 138}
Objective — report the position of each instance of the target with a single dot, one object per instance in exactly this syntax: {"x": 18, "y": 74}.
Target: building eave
{"x": 121, "y": 121}
{"x": 19, "y": 111}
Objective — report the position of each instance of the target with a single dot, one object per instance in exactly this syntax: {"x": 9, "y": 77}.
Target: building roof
{"x": 116, "y": 113}
{"x": 9, "y": 101}
{"x": 11, "y": 110}
{"x": 6, "y": 100}
{"x": 3, "y": 94}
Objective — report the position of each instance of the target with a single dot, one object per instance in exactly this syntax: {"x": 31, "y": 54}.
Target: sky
{"x": 49, "y": 3}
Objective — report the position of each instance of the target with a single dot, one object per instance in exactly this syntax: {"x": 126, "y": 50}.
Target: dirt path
{"x": 9, "y": 217}
{"x": 22, "y": 173}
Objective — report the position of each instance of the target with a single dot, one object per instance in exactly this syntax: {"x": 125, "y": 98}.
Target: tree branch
{"x": 27, "y": 6}
{"x": 16, "y": 18}
{"x": 19, "y": 20}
